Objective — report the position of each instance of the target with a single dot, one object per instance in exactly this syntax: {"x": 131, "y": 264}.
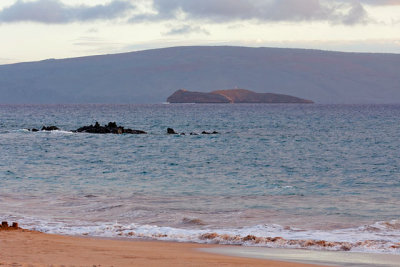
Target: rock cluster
{"x": 45, "y": 128}
{"x": 111, "y": 127}
{"x": 49, "y": 128}
{"x": 214, "y": 132}
{"x": 172, "y": 131}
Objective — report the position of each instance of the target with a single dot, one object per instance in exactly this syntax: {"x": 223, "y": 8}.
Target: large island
{"x": 232, "y": 96}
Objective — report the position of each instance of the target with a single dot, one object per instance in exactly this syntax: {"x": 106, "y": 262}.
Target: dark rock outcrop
{"x": 110, "y": 128}
{"x": 171, "y": 131}
{"x": 49, "y": 128}
{"x": 233, "y": 96}
{"x": 214, "y": 132}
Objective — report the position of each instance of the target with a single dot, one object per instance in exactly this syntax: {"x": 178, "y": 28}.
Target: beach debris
{"x": 6, "y": 227}
{"x": 171, "y": 131}
{"x": 111, "y": 127}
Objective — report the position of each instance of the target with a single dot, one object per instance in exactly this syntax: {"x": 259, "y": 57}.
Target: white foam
{"x": 43, "y": 131}
{"x": 380, "y": 237}
{"x": 23, "y": 130}
{"x": 58, "y": 132}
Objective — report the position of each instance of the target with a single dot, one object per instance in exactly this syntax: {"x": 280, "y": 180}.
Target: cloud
{"x": 219, "y": 11}
{"x": 186, "y": 30}
{"x": 54, "y": 11}
{"x": 381, "y": 2}
{"x": 212, "y": 11}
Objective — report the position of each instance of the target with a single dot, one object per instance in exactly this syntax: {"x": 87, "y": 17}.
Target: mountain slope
{"x": 151, "y": 76}
{"x": 247, "y": 96}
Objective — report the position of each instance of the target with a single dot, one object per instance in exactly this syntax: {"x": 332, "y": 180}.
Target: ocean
{"x": 321, "y": 177}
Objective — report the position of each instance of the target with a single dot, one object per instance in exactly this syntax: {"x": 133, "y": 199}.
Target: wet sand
{"x": 332, "y": 258}
{"x": 29, "y": 248}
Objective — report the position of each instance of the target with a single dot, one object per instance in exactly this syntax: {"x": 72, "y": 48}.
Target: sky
{"x": 32, "y": 30}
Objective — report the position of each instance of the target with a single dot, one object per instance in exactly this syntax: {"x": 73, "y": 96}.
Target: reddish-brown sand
{"x": 28, "y": 248}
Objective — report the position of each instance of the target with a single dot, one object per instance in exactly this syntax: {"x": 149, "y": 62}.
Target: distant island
{"x": 233, "y": 96}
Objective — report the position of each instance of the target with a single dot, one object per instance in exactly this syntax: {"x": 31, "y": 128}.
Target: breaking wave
{"x": 380, "y": 237}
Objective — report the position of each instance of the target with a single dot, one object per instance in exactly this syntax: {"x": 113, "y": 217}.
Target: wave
{"x": 380, "y": 237}
{"x": 58, "y": 132}
{"x": 40, "y": 131}
{"x": 193, "y": 221}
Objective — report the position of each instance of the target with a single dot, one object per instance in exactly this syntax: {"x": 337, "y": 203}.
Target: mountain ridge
{"x": 150, "y": 76}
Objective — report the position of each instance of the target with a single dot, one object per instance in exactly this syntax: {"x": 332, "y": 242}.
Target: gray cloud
{"x": 186, "y": 30}
{"x": 215, "y": 11}
{"x": 336, "y": 11}
{"x": 54, "y": 11}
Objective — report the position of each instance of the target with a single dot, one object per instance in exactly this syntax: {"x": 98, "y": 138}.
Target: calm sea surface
{"x": 300, "y": 172}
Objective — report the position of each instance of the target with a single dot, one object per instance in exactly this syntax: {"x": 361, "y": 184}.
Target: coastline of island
{"x": 233, "y": 96}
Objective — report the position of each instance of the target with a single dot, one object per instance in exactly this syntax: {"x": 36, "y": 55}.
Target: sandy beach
{"x": 29, "y": 248}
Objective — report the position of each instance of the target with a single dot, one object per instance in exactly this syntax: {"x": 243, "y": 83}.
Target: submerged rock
{"x": 111, "y": 127}
{"x": 130, "y": 131}
{"x": 172, "y": 131}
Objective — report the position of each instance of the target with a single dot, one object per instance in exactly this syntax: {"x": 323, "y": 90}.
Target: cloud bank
{"x": 220, "y": 11}
{"x": 346, "y": 12}
{"x": 56, "y": 12}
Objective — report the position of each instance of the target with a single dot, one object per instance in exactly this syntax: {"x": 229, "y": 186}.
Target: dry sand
{"x": 28, "y": 248}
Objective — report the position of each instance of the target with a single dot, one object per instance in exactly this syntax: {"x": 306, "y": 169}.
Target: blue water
{"x": 273, "y": 169}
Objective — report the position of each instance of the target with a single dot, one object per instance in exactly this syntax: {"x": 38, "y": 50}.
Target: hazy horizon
{"x": 180, "y": 46}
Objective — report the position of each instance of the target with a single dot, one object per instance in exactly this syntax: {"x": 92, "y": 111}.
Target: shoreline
{"x": 30, "y": 248}
{"x": 328, "y": 258}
